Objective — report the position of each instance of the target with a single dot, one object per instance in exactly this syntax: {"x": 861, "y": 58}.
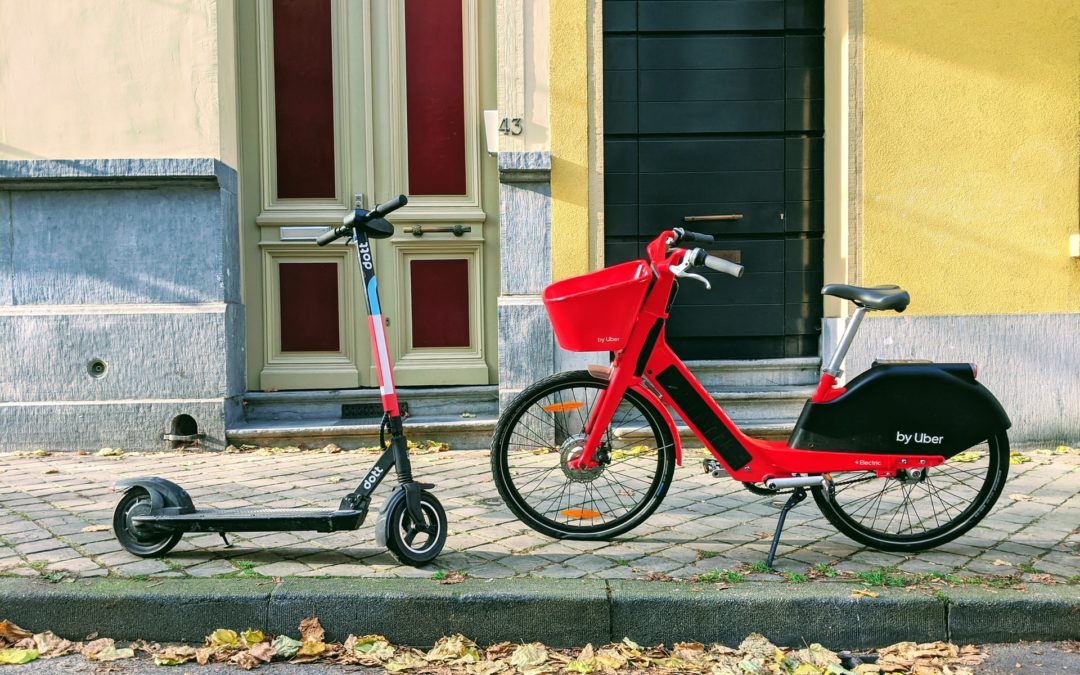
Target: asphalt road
{"x": 1037, "y": 657}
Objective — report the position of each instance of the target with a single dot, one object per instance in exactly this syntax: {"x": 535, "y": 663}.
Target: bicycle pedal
{"x": 713, "y": 467}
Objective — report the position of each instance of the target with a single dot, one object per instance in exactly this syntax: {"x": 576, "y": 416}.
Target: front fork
{"x": 600, "y": 418}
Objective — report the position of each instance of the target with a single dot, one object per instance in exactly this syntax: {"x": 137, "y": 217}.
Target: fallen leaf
{"x": 334, "y": 479}
{"x": 862, "y": 593}
{"x": 14, "y": 657}
{"x": 285, "y": 647}
{"x": 529, "y": 656}
{"x": 331, "y": 448}
{"x": 263, "y": 651}
{"x": 245, "y": 660}
{"x": 372, "y": 650}
{"x": 967, "y": 456}
{"x": 1017, "y": 458}
{"x": 111, "y": 653}
{"x": 406, "y": 660}
{"x": 468, "y": 415}
{"x": 1002, "y": 563}
{"x": 97, "y": 528}
{"x": 1017, "y": 497}
{"x": 763, "y": 535}
{"x": 223, "y": 637}
{"x": 110, "y": 452}
{"x": 311, "y": 630}
{"x": 309, "y": 651}
{"x": 48, "y": 645}
{"x": 451, "y": 578}
{"x": 252, "y": 637}
{"x": 52, "y": 470}
{"x": 174, "y": 656}
{"x": 12, "y": 633}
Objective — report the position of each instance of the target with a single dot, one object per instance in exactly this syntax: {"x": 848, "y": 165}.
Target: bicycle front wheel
{"x": 544, "y": 428}
{"x": 919, "y": 508}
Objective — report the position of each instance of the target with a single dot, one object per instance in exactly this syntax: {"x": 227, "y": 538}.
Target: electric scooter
{"x": 154, "y": 513}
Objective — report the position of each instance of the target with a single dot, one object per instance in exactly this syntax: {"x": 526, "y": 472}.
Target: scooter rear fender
{"x": 166, "y": 497}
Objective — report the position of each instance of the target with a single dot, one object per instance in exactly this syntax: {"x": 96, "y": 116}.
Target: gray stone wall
{"x": 526, "y": 344}
{"x": 1031, "y": 362}
{"x": 134, "y": 263}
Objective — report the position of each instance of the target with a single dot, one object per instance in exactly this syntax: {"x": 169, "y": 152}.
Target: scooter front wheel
{"x": 140, "y": 541}
{"x": 413, "y": 543}
{"x": 919, "y": 508}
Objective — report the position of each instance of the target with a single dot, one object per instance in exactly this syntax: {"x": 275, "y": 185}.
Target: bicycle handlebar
{"x": 725, "y": 266}
{"x": 682, "y": 235}
{"x": 359, "y": 217}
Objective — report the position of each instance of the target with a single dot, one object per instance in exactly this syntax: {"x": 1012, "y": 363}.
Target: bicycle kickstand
{"x": 797, "y": 496}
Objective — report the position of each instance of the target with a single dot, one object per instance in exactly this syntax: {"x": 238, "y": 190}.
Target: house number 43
{"x": 511, "y": 126}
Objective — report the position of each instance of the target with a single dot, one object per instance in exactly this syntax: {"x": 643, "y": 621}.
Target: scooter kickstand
{"x": 797, "y": 496}
{"x": 225, "y": 539}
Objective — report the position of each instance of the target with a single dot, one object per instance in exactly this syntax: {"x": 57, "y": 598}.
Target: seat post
{"x": 838, "y": 356}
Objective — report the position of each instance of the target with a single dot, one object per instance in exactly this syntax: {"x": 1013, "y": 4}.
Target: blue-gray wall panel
{"x": 130, "y": 426}
{"x": 118, "y": 246}
{"x": 7, "y": 268}
{"x": 149, "y": 356}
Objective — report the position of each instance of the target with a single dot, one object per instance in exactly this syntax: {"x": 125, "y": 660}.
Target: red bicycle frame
{"x": 647, "y": 365}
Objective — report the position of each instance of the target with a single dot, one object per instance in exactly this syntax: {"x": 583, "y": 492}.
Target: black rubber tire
{"x": 136, "y": 501}
{"x": 399, "y": 526}
{"x": 997, "y": 470}
{"x": 653, "y": 495}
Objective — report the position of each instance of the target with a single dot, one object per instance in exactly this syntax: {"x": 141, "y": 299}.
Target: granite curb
{"x": 560, "y": 613}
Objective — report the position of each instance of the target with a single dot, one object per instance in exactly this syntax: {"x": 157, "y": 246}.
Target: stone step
{"x": 459, "y": 433}
{"x": 746, "y": 406}
{"x": 757, "y": 373}
{"x": 421, "y": 402}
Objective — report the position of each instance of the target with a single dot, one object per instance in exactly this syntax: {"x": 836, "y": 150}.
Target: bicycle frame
{"x": 649, "y": 367}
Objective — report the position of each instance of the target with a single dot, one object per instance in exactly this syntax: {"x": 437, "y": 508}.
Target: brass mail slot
{"x": 725, "y": 216}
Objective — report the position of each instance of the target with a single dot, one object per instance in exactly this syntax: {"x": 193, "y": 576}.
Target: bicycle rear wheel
{"x": 543, "y": 429}
{"x": 919, "y": 509}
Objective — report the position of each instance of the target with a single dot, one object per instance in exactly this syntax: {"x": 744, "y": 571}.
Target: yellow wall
{"x": 569, "y": 116}
{"x": 123, "y": 78}
{"x": 971, "y": 126}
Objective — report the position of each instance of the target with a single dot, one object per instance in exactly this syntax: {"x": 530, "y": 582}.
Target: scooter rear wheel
{"x": 409, "y": 543}
{"x": 922, "y": 508}
{"x": 140, "y": 541}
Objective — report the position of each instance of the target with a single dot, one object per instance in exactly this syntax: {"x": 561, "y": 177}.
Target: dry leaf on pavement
{"x": 12, "y": 633}
{"x": 862, "y": 593}
{"x": 311, "y": 630}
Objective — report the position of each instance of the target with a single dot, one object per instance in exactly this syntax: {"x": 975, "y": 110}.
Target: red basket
{"x": 595, "y": 312}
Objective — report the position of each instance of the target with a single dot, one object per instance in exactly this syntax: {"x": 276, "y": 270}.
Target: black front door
{"x": 713, "y": 121}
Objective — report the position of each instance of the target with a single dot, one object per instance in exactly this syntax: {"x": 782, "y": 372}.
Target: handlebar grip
{"x": 725, "y": 266}
{"x": 330, "y": 235}
{"x": 384, "y": 209}
{"x": 692, "y": 237}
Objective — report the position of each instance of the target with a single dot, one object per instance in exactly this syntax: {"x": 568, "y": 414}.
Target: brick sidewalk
{"x": 54, "y": 513}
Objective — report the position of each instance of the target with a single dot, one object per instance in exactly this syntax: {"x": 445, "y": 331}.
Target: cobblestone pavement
{"x": 55, "y": 513}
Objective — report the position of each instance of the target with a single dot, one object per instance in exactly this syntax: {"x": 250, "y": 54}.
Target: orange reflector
{"x": 580, "y": 514}
{"x": 563, "y": 407}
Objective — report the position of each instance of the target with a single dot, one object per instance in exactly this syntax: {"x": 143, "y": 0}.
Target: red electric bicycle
{"x": 907, "y": 456}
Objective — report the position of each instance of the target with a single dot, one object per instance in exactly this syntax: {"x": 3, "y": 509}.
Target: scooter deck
{"x": 254, "y": 520}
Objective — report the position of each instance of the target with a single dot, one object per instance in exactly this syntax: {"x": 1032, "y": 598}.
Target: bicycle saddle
{"x": 871, "y": 297}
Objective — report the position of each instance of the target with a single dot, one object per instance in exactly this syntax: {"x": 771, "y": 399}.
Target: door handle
{"x": 456, "y": 230}
{"x": 725, "y": 216}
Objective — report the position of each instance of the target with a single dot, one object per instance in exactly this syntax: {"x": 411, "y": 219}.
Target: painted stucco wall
{"x": 971, "y": 132}
{"x": 128, "y": 78}
{"x": 569, "y": 115}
